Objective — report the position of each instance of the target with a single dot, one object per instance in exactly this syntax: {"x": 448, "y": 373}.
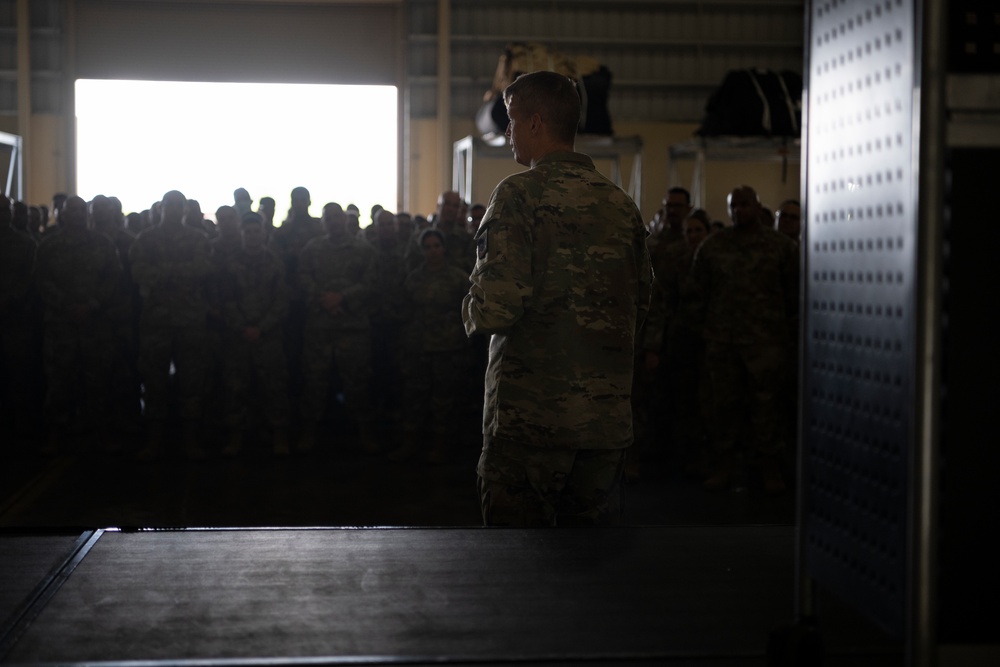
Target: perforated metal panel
{"x": 860, "y": 318}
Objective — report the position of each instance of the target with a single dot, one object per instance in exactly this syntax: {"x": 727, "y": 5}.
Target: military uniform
{"x": 346, "y": 265}
{"x": 749, "y": 282}
{"x": 459, "y": 248}
{"x": 436, "y": 353}
{"x": 77, "y": 269}
{"x": 17, "y": 326}
{"x": 169, "y": 265}
{"x": 562, "y": 283}
{"x": 122, "y": 311}
{"x": 287, "y": 242}
{"x": 255, "y": 296}
{"x": 387, "y": 320}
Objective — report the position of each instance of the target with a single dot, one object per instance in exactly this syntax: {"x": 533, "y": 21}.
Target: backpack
{"x": 753, "y": 102}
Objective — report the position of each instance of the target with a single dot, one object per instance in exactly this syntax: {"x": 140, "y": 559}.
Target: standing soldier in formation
{"x": 436, "y": 351}
{"x": 460, "y": 249}
{"x": 387, "y": 320}
{"x": 287, "y": 242}
{"x": 17, "y": 261}
{"x": 748, "y": 276}
{"x": 254, "y": 309}
{"x": 170, "y": 262}
{"x": 336, "y": 273}
{"x": 76, "y": 274}
{"x": 125, "y": 406}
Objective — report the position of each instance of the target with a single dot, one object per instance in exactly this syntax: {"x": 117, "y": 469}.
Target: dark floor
{"x": 81, "y": 489}
{"x": 335, "y": 486}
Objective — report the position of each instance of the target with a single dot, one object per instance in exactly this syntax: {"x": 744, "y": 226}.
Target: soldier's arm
{"x": 502, "y": 279}
{"x": 110, "y": 274}
{"x": 46, "y": 281}
{"x": 279, "y": 301}
{"x": 306, "y": 275}
{"x": 645, "y": 287}
{"x": 145, "y": 272}
{"x": 363, "y": 290}
{"x": 196, "y": 265}
{"x": 23, "y": 273}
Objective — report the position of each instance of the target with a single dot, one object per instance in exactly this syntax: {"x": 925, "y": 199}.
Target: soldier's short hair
{"x": 430, "y": 231}
{"x": 552, "y": 96}
{"x": 677, "y": 190}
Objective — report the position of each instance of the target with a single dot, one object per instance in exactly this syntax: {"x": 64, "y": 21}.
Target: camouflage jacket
{"x": 390, "y": 273}
{"x": 748, "y": 280}
{"x": 76, "y": 267}
{"x": 562, "y": 282}
{"x": 341, "y": 264}
{"x": 169, "y": 265}
{"x": 459, "y": 248}
{"x": 435, "y": 302}
{"x": 17, "y": 261}
{"x": 675, "y": 300}
{"x": 287, "y": 242}
{"x": 124, "y": 300}
{"x": 254, "y": 292}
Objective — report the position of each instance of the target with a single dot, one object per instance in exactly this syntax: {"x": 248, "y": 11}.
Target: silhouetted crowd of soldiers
{"x": 163, "y": 332}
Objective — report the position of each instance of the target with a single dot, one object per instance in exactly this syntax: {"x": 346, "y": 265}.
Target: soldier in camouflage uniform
{"x": 224, "y": 248}
{"x": 387, "y": 320}
{"x": 17, "y": 261}
{"x": 287, "y": 242}
{"x": 748, "y": 275}
{"x": 562, "y": 283}
{"x": 436, "y": 351}
{"x": 674, "y": 344}
{"x": 170, "y": 263}
{"x": 125, "y": 406}
{"x": 76, "y": 274}
{"x": 460, "y": 249}
{"x": 254, "y": 309}
{"x": 336, "y": 274}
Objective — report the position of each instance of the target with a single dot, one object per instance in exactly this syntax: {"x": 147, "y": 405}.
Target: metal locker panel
{"x": 860, "y": 317}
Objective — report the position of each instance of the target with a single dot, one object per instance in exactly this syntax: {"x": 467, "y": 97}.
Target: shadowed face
{"x": 694, "y": 232}
{"x": 519, "y": 132}
{"x": 334, "y": 220}
{"x": 433, "y": 250}
{"x": 744, "y": 207}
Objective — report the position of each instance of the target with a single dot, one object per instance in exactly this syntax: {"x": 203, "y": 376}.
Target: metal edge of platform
{"x": 46, "y": 589}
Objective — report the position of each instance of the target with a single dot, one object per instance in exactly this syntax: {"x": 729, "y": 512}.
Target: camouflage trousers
{"x": 77, "y": 358}
{"x": 529, "y": 486}
{"x": 434, "y": 384}
{"x": 747, "y": 385}
{"x": 350, "y": 353}
{"x": 263, "y": 362}
{"x": 20, "y": 377}
{"x": 187, "y": 349}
